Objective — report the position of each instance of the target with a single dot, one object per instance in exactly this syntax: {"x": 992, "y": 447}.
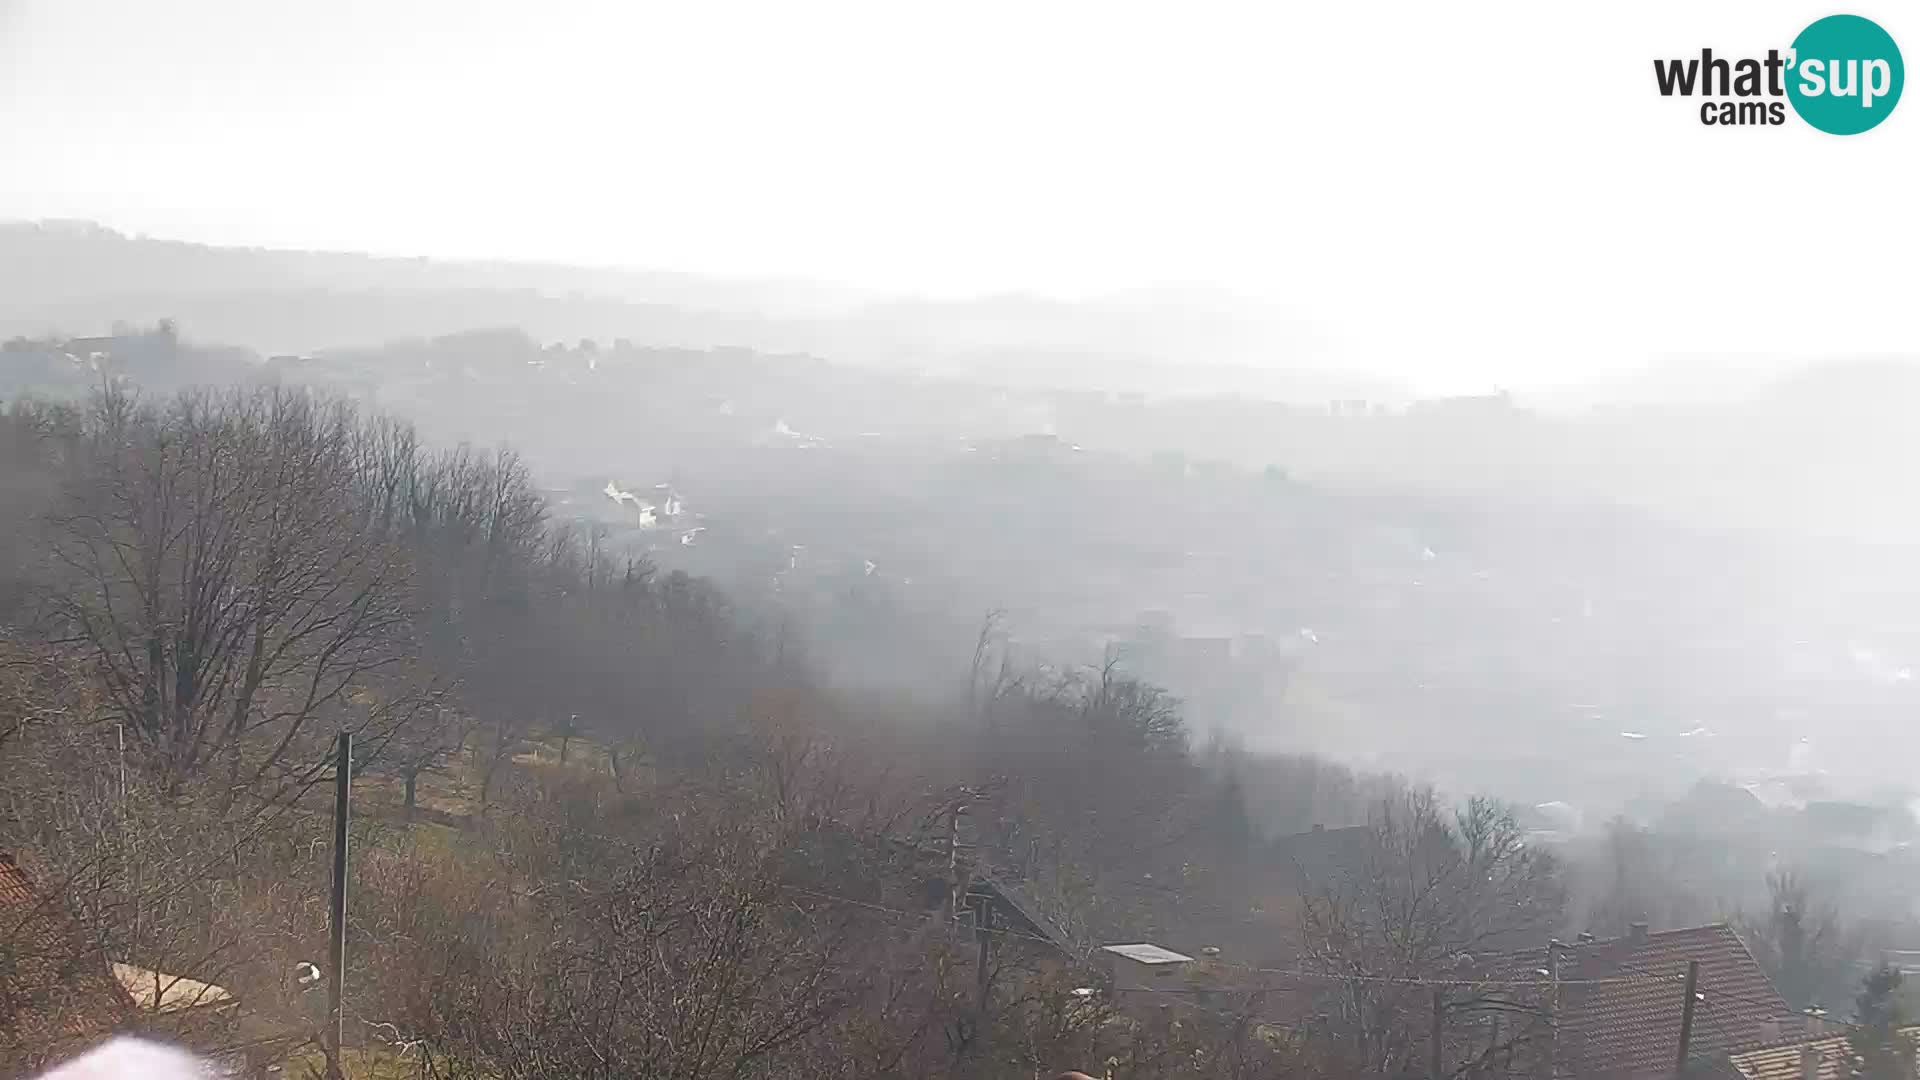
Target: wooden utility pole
{"x": 133, "y": 854}
{"x": 1686, "y": 1018}
{"x": 953, "y": 860}
{"x": 982, "y": 932}
{"x": 1433, "y": 1060}
{"x": 337, "y": 908}
{"x": 1493, "y": 1046}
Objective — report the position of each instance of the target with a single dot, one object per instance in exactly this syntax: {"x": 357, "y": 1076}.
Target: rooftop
{"x": 1024, "y": 914}
{"x": 152, "y": 991}
{"x": 1782, "y": 1061}
{"x": 1620, "y": 1012}
{"x": 61, "y": 989}
{"x": 1147, "y": 954}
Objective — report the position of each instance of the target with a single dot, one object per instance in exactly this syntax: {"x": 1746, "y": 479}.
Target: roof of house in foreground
{"x": 1144, "y": 953}
{"x": 154, "y": 991}
{"x": 1024, "y": 912}
{"x": 1782, "y": 1061}
{"x": 1622, "y": 998}
{"x": 62, "y": 990}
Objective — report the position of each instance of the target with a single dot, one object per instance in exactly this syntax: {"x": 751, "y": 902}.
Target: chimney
{"x": 1809, "y": 1062}
{"x": 1816, "y": 1021}
{"x": 1585, "y": 938}
{"x": 1637, "y": 933}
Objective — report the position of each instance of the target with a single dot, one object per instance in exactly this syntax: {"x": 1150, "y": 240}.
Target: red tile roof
{"x": 1782, "y": 1061}
{"x": 1619, "y": 1012}
{"x": 55, "y": 991}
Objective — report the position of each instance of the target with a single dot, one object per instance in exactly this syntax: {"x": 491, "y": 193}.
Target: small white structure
{"x": 153, "y": 991}
{"x": 1142, "y": 970}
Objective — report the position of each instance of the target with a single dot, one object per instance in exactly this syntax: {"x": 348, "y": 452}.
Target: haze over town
{"x": 1113, "y": 481}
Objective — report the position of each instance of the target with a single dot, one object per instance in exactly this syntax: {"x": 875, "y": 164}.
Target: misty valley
{"x": 729, "y": 680}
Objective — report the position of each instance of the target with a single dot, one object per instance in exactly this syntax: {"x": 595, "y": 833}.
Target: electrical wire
{"x": 1300, "y": 973}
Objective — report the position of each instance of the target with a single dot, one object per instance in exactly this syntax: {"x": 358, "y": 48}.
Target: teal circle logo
{"x": 1846, "y": 75}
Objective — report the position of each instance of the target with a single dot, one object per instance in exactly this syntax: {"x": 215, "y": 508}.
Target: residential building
{"x": 1144, "y": 974}
{"x": 1618, "y": 1003}
{"x": 57, "y": 992}
{"x": 1802, "y": 1057}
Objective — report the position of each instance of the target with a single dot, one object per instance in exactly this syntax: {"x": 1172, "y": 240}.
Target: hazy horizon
{"x": 1692, "y": 378}
{"x": 1481, "y": 198}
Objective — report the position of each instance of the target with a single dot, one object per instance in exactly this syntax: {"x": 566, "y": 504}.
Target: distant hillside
{"x": 1746, "y": 442}
{"x": 68, "y": 278}
{"x": 46, "y": 264}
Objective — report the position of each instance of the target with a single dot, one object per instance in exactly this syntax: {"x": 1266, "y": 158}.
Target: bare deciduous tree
{"x": 1432, "y": 897}
{"x": 222, "y": 579}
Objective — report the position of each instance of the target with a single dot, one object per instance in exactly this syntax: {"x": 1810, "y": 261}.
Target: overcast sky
{"x": 1490, "y": 188}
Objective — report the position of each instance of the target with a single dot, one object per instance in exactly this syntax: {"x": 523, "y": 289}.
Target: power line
{"x": 1302, "y": 973}
{"x": 1712, "y": 995}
